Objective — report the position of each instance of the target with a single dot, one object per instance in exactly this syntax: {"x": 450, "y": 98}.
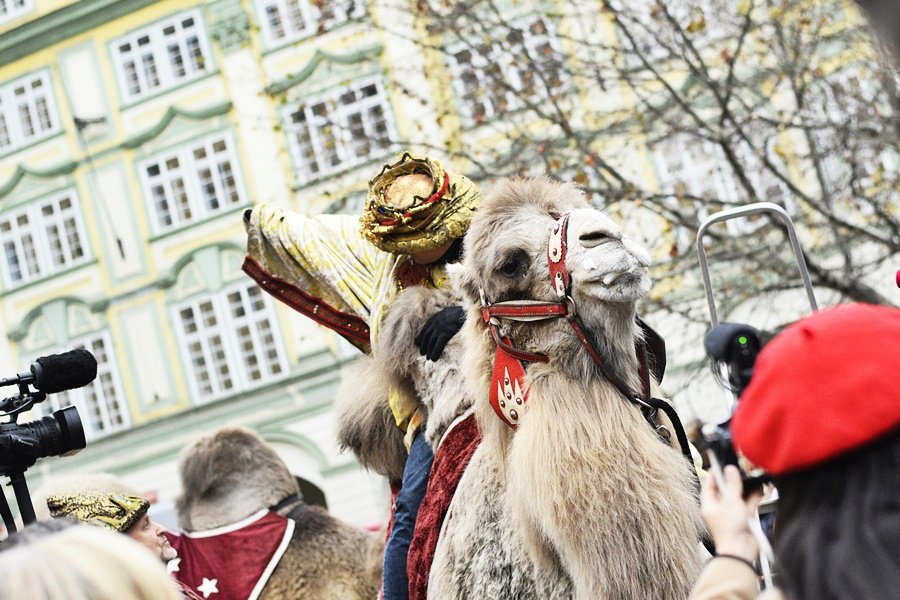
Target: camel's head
{"x": 507, "y": 245}
{"x": 506, "y": 260}
{"x": 227, "y": 476}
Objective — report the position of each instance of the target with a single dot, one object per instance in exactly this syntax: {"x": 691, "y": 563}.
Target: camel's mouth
{"x": 619, "y": 284}
{"x": 616, "y": 278}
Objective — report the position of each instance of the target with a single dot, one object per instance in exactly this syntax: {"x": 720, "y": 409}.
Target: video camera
{"x": 58, "y": 434}
{"x": 736, "y": 346}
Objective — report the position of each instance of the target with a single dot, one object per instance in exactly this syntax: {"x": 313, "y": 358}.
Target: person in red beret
{"x": 822, "y": 416}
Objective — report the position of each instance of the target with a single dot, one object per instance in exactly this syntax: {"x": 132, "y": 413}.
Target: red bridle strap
{"x": 524, "y": 310}
{"x": 509, "y": 373}
{"x": 556, "y": 257}
{"x": 515, "y": 353}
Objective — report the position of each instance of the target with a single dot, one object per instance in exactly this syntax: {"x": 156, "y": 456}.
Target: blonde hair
{"x": 84, "y": 563}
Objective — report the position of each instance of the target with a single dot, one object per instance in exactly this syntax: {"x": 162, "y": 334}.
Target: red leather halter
{"x": 509, "y": 372}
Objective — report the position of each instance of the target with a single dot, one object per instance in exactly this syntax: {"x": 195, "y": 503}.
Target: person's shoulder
{"x": 772, "y": 594}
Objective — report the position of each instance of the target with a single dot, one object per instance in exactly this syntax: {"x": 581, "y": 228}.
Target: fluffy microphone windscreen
{"x": 66, "y": 371}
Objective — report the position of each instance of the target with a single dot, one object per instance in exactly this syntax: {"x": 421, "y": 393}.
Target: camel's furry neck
{"x": 607, "y": 491}
{"x": 585, "y": 466}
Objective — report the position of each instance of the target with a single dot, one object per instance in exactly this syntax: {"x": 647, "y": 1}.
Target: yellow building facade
{"x": 132, "y": 137}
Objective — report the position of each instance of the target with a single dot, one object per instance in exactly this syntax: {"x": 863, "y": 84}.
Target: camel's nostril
{"x": 592, "y": 239}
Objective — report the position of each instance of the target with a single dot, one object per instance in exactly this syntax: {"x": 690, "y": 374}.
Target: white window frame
{"x": 498, "y": 55}
{"x": 31, "y": 104}
{"x": 38, "y": 228}
{"x": 13, "y": 9}
{"x": 231, "y": 358}
{"x": 288, "y": 12}
{"x": 106, "y": 388}
{"x": 188, "y": 173}
{"x": 703, "y": 164}
{"x": 642, "y": 23}
{"x": 157, "y": 44}
{"x": 329, "y": 137}
{"x": 837, "y": 168}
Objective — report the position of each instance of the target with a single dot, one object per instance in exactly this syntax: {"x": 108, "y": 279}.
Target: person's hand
{"x": 727, "y": 514}
{"x": 439, "y": 330}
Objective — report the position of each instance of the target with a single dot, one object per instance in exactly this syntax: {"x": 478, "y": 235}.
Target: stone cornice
{"x": 21, "y": 172}
{"x": 172, "y": 112}
{"x": 303, "y": 74}
{"x": 131, "y": 143}
{"x": 69, "y": 21}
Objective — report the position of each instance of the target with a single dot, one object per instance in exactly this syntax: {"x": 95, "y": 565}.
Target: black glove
{"x": 438, "y": 330}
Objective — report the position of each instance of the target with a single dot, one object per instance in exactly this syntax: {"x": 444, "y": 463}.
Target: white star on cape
{"x": 173, "y": 566}
{"x": 208, "y": 587}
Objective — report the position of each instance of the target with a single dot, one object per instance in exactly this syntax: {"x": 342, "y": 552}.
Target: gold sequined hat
{"x": 113, "y": 511}
{"x": 416, "y": 217}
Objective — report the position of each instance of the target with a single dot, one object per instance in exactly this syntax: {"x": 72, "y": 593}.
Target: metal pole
{"x": 734, "y": 213}
{"x": 744, "y": 211}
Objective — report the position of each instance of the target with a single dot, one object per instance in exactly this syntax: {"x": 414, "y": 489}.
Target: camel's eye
{"x": 515, "y": 264}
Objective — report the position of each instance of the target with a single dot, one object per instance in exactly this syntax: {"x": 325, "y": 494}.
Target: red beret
{"x": 824, "y": 386}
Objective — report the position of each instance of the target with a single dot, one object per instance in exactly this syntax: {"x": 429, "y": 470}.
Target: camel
{"x": 584, "y": 499}
{"x": 571, "y": 493}
{"x": 232, "y": 474}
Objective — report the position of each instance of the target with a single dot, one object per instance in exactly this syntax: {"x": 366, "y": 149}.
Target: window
{"x": 768, "y": 185}
{"x": 100, "y": 403}
{"x": 42, "y": 239}
{"x": 850, "y": 103}
{"x": 161, "y": 56}
{"x": 288, "y": 20}
{"x": 652, "y": 36}
{"x": 696, "y": 173}
{"x": 490, "y": 76}
{"x": 191, "y": 183}
{"x": 10, "y": 9}
{"x": 342, "y": 129}
{"x": 229, "y": 342}
{"x": 694, "y": 168}
{"x": 689, "y": 167}
{"x": 27, "y": 111}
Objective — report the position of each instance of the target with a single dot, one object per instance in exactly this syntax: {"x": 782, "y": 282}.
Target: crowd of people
{"x": 820, "y": 416}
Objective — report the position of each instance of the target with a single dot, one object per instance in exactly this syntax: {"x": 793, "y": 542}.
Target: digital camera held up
{"x": 736, "y": 346}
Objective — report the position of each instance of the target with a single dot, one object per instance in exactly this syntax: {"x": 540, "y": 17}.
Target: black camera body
{"x": 58, "y": 434}
{"x": 737, "y": 346}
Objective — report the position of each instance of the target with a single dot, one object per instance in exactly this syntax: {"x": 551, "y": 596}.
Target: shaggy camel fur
{"x": 233, "y": 473}
{"x": 437, "y": 384}
{"x": 365, "y": 422}
{"x": 583, "y": 500}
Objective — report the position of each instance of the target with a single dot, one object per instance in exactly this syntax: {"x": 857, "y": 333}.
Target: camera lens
{"x": 72, "y": 432}
{"x": 60, "y": 433}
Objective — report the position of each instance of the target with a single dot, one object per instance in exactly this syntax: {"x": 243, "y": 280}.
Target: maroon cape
{"x": 450, "y": 461}
{"x": 233, "y": 562}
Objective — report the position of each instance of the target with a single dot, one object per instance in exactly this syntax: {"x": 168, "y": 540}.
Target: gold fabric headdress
{"x": 112, "y": 511}
{"x": 419, "y": 223}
